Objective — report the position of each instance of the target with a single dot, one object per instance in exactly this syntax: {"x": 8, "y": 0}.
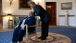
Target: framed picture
{"x": 24, "y": 4}
{"x": 66, "y": 6}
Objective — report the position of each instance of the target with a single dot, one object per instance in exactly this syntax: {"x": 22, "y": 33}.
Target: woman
{"x": 20, "y": 29}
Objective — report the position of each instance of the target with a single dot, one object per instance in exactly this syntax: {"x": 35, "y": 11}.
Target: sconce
{"x": 37, "y": 1}
{"x": 10, "y": 2}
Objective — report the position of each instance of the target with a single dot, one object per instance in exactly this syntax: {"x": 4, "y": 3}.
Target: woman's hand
{"x": 17, "y": 26}
{"x": 23, "y": 27}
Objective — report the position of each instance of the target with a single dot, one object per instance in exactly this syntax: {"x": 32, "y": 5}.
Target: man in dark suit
{"x": 40, "y": 11}
{"x": 20, "y": 30}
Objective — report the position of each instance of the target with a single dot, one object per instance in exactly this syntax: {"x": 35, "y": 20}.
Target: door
{"x": 51, "y": 9}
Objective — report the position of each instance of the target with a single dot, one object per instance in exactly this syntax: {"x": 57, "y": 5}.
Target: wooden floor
{"x": 5, "y": 29}
{"x": 0, "y": 28}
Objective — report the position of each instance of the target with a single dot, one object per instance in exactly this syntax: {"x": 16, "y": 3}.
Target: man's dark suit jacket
{"x": 29, "y": 21}
{"x": 39, "y": 11}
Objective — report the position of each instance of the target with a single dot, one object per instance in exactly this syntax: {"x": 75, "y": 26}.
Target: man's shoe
{"x": 14, "y": 42}
{"x": 43, "y": 38}
{"x": 39, "y": 37}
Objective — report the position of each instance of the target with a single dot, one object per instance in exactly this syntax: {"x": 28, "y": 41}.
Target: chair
{"x": 16, "y": 20}
{"x": 28, "y": 35}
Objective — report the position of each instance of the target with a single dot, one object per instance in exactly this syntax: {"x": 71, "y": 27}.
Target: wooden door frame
{"x": 1, "y": 12}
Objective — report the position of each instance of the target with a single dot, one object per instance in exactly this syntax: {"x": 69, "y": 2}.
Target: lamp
{"x": 10, "y": 21}
{"x": 38, "y": 3}
{"x": 10, "y": 2}
{"x": 9, "y": 15}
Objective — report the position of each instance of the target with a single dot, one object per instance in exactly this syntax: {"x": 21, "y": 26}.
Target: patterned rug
{"x": 52, "y": 38}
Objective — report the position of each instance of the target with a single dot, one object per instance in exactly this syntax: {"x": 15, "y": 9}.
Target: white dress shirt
{"x": 22, "y": 25}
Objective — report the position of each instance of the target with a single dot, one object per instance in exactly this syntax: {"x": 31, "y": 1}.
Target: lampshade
{"x": 9, "y": 14}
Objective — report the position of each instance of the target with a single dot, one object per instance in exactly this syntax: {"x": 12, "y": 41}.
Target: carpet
{"x": 52, "y": 38}
{"x": 6, "y": 37}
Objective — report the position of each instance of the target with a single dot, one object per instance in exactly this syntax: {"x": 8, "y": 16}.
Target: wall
{"x": 62, "y": 21}
{"x": 14, "y": 10}
{"x": 71, "y": 20}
